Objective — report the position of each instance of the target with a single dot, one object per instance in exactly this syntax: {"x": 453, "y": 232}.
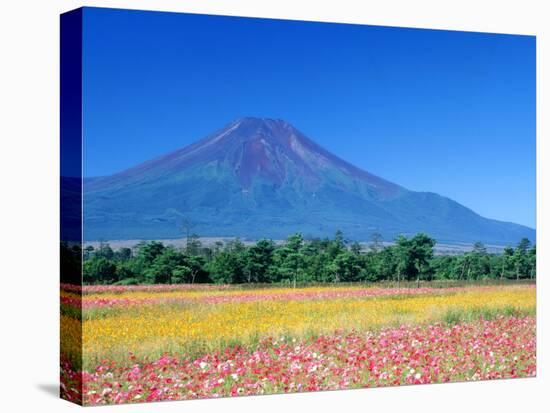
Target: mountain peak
{"x": 248, "y": 128}
{"x": 259, "y": 121}
{"x": 265, "y": 150}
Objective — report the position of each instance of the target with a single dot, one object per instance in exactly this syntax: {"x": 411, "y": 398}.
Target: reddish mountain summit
{"x": 270, "y": 149}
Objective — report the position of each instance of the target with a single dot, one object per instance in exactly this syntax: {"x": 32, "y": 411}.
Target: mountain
{"x": 263, "y": 178}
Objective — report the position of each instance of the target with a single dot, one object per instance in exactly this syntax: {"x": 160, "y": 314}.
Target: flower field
{"x": 143, "y": 344}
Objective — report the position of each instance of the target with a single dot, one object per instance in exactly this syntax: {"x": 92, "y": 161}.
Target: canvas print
{"x": 258, "y": 206}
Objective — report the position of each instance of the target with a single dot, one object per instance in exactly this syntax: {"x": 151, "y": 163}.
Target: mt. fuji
{"x": 259, "y": 178}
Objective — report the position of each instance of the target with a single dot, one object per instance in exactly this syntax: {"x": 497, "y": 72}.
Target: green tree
{"x": 228, "y": 266}
{"x": 521, "y": 265}
{"x": 444, "y": 267}
{"x": 478, "y": 264}
{"x": 258, "y": 260}
{"x": 507, "y": 262}
{"x": 315, "y": 262}
{"x": 386, "y": 264}
{"x": 421, "y": 253}
{"x": 337, "y": 245}
{"x": 523, "y": 245}
{"x": 404, "y": 264}
{"x": 196, "y": 267}
{"x": 104, "y": 251}
{"x": 149, "y": 251}
{"x": 99, "y": 270}
{"x": 125, "y": 273}
{"x": 123, "y": 254}
{"x": 189, "y": 271}
{"x": 289, "y": 260}
{"x": 346, "y": 267}
{"x": 413, "y": 257}
{"x": 162, "y": 268}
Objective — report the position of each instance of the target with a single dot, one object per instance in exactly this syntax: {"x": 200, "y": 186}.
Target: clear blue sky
{"x": 441, "y": 111}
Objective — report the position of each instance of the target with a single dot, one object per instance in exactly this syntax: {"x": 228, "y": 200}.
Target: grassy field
{"x": 184, "y": 337}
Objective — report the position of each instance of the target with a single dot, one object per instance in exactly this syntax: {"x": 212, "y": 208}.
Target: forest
{"x": 295, "y": 261}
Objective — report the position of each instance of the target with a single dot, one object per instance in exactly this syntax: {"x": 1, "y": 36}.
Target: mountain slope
{"x": 263, "y": 178}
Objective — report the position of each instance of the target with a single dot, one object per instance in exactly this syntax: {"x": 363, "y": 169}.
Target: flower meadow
{"x": 146, "y": 344}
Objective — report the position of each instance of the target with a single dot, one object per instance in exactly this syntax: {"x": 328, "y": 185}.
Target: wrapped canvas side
{"x": 71, "y": 207}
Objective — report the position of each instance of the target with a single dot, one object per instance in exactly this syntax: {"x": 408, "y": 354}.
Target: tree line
{"x": 295, "y": 261}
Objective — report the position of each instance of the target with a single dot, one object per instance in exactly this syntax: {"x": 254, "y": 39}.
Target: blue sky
{"x": 440, "y": 111}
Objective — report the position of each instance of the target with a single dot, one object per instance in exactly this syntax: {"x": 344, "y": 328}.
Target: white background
{"x": 29, "y": 162}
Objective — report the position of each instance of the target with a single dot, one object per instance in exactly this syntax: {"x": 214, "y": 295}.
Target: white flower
{"x": 417, "y": 376}
{"x": 203, "y": 365}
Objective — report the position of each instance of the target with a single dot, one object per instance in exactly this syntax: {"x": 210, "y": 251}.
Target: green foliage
{"x": 228, "y": 266}
{"x": 296, "y": 261}
{"x": 258, "y": 260}
{"x": 161, "y": 268}
{"x": 101, "y": 270}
